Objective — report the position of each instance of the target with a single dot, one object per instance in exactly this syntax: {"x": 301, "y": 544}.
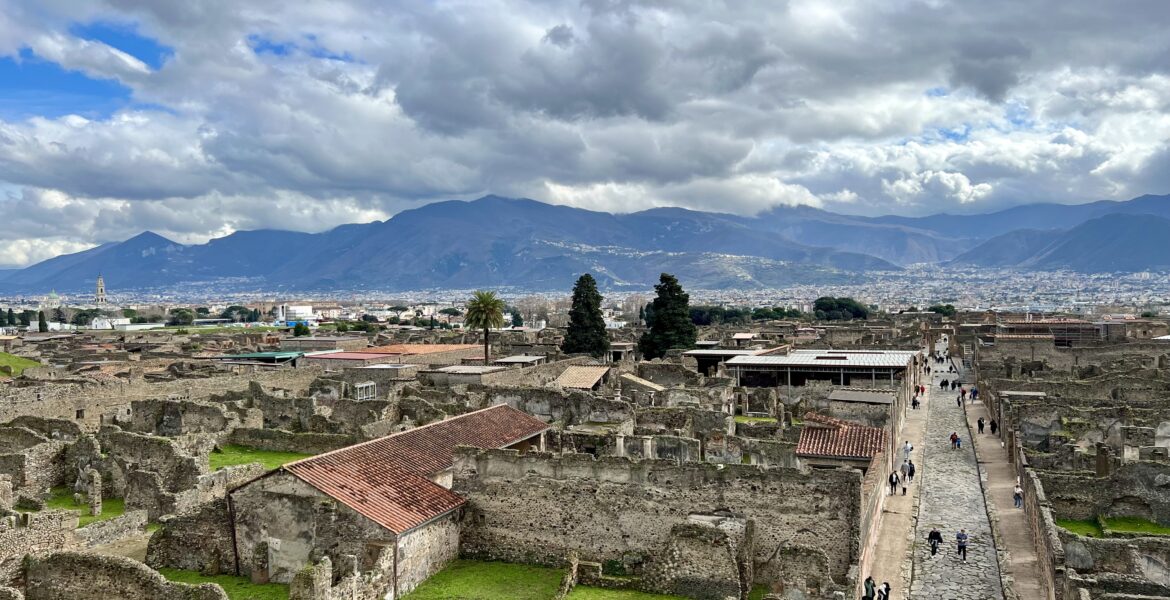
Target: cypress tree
{"x": 42, "y": 323}
{"x": 671, "y": 326}
{"x": 11, "y": 317}
{"x": 3, "y": 319}
{"x": 586, "y": 334}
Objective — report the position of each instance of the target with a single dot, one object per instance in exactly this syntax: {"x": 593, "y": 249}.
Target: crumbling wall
{"x": 199, "y": 541}
{"x": 669, "y": 374}
{"x": 1133, "y": 490}
{"x": 537, "y": 508}
{"x": 569, "y": 407}
{"x": 287, "y": 441}
{"x": 94, "y": 577}
{"x": 36, "y": 534}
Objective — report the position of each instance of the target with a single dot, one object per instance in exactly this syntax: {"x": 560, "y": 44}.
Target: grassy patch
{"x": 758, "y": 592}
{"x": 584, "y": 592}
{"x": 62, "y": 499}
{"x": 237, "y": 588}
{"x": 230, "y": 456}
{"x": 1087, "y": 527}
{"x": 17, "y": 364}
{"x": 743, "y": 419}
{"x": 1135, "y": 525}
{"x": 476, "y": 580}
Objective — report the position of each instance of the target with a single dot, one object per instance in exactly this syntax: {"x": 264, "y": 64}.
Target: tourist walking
{"x": 904, "y": 474}
{"x": 994, "y": 427}
{"x": 979, "y": 423}
{"x": 934, "y": 539}
{"x": 907, "y": 448}
{"x": 1018, "y": 496}
{"x": 961, "y": 539}
{"x": 954, "y": 439}
{"x": 893, "y": 482}
{"x": 884, "y": 591}
{"x": 910, "y": 473}
{"x": 943, "y": 384}
{"x": 959, "y": 401}
{"x": 974, "y": 393}
{"x": 869, "y": 589}
{"x": 963, "y": 392}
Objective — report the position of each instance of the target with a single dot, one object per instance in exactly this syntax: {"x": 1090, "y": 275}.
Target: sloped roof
{"x": 388, "y": 479}
{"x": 650, "y": 385}
{"x": 581, "y": 376}
{"x": 830, "y": 437}
{"x": 862, "y": 395}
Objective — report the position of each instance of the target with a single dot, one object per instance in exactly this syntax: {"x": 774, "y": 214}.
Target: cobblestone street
{"x": 952, "y": 499}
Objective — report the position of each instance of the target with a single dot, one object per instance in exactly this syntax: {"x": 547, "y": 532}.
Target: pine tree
{"x": 11, "y": 317}
{"x": 517, "y": 320}
{"x": 3, "y": 319}
{"x": 42, "y": 323}
{"x": 671, "y": 326}
{"x": 586, "y": 334}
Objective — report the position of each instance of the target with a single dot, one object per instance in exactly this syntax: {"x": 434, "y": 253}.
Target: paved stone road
{"x": 952, "y": 499}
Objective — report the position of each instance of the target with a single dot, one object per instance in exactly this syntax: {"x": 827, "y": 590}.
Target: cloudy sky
{"x": 196, "y": 119}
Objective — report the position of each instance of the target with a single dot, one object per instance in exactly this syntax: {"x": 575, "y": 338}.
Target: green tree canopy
{"x": 828, "y": 308}
{"x": 517, "y": 320}
{"x": 485, "y": 311}
{"x": 671, "y": 325}
{"x": 586, "y": 333}
{"x": 300, "y": 329}
{"x": 236, "y": 313}
{"x": 451, "y": 312}
{"x": 42, "y": 323}
{"x": 946, "y": 310}
{"x": 182, "y": 316}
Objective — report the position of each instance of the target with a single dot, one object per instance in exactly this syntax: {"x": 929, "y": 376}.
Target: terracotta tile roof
{"x": 829, "y": 437}
{"x": 581, "y": 377}
{"x": 387, "y": 479}
{"x": 419, "y": 348}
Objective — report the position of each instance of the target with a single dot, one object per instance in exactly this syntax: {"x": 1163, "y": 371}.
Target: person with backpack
{"x": 911, "y": 471}
{"x": 994, "y": 427}
{"x": 961, "y": 539}
{"x": 979, "y": 423}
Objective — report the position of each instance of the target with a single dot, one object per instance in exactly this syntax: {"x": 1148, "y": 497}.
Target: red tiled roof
{"x": 387, "y": 479}
{"x": 834, "y": 438}
{"x": 419, "y": 348}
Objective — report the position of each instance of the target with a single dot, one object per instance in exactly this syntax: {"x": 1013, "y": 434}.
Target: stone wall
{"x": 538, "y": 508}
{"x": 93, "y": 577}
{"x": 538, "y": 376}
{"x": 112, "y": 530}
{"x": 286, "y": 441}
{"x": 86, "y": 405}
{"x": 199, "y": 541}
{"x": 1134, "y": 490}
{"x": 38, "y": 534}
{"x": 567, "y": 407}
{"x": 425, "y": 551}
{"x": 179, "y": 417}
{"x": 290, "y": 520}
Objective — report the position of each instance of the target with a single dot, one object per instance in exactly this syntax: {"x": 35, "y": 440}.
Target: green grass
{"x": 237, "y": 588}
{"x": 743, "y": 419}
{"x": 62, "y": 499}
{"x": 1135, "y": 525}
{"x": 758, "y": 592}
{"x": 1087, "y": 527}
{"x": 476, "y": 580}
{"x": 17, "y": 363}
{"x": 584, "y": 592}
{"x": 230, "y": 456}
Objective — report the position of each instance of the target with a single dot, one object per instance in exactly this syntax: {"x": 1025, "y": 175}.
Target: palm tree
{"x": 485, "y": 310}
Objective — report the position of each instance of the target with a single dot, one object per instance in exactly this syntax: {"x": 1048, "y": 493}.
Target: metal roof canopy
{"x": 862, "y": 396}
{"x": 829, "y": 359}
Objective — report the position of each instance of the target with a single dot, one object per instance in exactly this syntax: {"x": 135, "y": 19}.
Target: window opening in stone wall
{"x": 365, "y": 391}
{"x": 81, "y": 413}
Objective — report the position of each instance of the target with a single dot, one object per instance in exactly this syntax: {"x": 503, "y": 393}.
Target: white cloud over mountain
{"x": 308, "y": 115}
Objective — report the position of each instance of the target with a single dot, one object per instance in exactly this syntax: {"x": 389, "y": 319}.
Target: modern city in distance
{"x": 585, "y": 300}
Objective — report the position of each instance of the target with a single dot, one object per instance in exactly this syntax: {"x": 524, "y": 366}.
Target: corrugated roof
{"x": 414, "y": 349}
{"x": 834, "y": 438}
{"x": 743, "y": 336}
{"x": 258, "y": 355}
{"x": 469, "y": 369}
{"x": 348, "y": 356}
{"x": 387, "y": 479}
{"x": 581, "y": 376}
{"x": 829, "y": 358}
{"x": 520, "y": 359}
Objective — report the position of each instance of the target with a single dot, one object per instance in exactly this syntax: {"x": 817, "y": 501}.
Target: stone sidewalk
{"x": 895, "y": 534}
{"x": 952, "y": 499}
{"x": 1015, "y": 535}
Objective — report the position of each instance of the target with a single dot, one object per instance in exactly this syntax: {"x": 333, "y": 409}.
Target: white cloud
{"x": 303, "y": 116}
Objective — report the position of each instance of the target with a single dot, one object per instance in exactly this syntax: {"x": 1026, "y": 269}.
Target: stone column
{"x": 5, "y": 492}
{"x": 93, "y": 491}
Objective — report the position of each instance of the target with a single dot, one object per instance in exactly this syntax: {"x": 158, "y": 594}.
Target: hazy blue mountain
{"x": 1116, "y": 242}
{"x": 503, "y": 242}
{"x": 1009, "y": 249}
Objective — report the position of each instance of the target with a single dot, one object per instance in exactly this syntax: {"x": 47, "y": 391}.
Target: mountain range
{"x": 525, "y": 244}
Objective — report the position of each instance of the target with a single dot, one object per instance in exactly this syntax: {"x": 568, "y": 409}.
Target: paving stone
{"x": 951, "y": 499}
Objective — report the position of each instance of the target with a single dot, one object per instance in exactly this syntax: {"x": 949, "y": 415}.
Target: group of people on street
{"x": 904, "y": 475}
{"x": 981, "y": 424}
{"x": 935, "y": 539}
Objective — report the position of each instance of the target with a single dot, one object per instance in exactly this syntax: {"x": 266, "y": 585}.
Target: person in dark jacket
{"x": 869, "y": 589}
{"x": 994, "y": 426}
{"x": 935, "y": 540}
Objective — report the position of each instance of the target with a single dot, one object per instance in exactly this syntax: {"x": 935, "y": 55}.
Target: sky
{"x": 197, "y": 119}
